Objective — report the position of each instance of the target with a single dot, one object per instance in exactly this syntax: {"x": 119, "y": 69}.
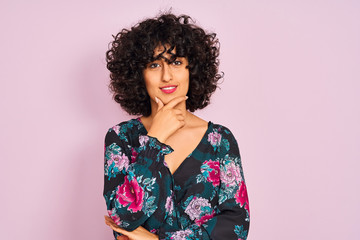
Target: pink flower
{"x": 143, "y": 139}
{"x": 230, "y": 175}
{"x": 133, "y": 155}
{"x": 121, "y": 161}
{"x": 130, "y": 192}
{"x": 169, "y": 205}
{"x": 114, "y": 217}
{"x": 242, "y": 197}
{"x": 214, "y": 174}
{"x": 194, "y": 208}
{"x": 181, "y": 234}
{"x": 214, "y": 138}
{"x": 116, "y": 129}
{"x": 204, "y": 219}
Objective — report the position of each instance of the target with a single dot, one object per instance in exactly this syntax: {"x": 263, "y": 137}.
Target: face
{"x": 166, "y": 80}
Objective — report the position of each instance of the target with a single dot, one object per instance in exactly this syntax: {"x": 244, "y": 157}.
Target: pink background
{"x": 290, "y": 95}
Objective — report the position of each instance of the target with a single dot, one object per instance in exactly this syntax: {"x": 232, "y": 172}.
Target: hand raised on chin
{"x": 167, "y": 119}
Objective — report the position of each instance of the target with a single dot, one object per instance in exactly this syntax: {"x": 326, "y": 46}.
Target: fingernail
{"x": 156, "y": 100}
{"x": 186, "y": 97}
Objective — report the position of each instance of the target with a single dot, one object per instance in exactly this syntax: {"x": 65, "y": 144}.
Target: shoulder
{"x": 224, "y": 131}
{"x": 125, "y": 126}
{"x": 222, "y": 139}
{"x": 124, "y": 131}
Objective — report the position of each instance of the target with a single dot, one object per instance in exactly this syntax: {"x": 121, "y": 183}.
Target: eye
{"x": 153, "y": 65}
{"x": 177, "y": 62}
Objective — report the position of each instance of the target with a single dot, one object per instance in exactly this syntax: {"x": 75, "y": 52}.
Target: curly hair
{"x": 131, "y": 51}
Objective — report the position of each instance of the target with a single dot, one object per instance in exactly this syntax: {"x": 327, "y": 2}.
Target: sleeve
{"x": 134, "y": 181}
{"x": 232, "y": 217}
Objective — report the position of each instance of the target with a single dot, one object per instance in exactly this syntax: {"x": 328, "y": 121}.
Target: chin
{"x": 167, "y": 98}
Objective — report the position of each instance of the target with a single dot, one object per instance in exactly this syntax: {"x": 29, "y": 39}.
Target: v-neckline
{"x": 197, "y": 146}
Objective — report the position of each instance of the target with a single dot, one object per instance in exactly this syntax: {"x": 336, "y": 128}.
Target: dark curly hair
{"x": 133, "y": 49}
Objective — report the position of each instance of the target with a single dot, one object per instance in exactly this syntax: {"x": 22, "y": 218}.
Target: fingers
{"x": 170, "y": 104}
{"x": 113, "y": 226}
{"x": 177, "y": 111}
{"x": 180, "y": 116}
{"x": 108, "y": 220}
{"x": 167, "y": 119}
{"x": 117, "y": 229}
{"x": 160, "y": 104}
{"x": 122, "y": 237}
{"x": 176, "y": 101}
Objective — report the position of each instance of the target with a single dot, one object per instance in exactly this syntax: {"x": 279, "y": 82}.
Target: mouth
{"x": 168, "y": 89}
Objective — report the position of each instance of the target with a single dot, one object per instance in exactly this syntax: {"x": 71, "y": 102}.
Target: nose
{"x": 166, "y": 72}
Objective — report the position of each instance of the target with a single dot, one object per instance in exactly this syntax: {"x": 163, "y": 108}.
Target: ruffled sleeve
{"x": 135, "y": 182}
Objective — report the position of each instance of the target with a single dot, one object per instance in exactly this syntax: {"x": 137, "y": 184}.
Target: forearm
{"x": 132, "y": 194}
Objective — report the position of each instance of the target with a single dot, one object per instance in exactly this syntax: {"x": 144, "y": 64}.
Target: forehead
{"x": 162, "y": 50}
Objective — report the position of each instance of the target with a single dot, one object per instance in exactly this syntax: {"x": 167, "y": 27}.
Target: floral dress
{"x": 205, "y": 198}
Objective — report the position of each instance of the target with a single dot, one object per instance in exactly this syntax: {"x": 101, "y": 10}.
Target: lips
{"x": 168, "y": 89}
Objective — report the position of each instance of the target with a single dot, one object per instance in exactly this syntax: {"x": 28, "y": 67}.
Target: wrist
{"x": 161, "y": 138}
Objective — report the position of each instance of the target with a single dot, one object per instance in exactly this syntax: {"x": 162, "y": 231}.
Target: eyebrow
{"x": 166, "y": 50}
{"x": 168, "y": 60}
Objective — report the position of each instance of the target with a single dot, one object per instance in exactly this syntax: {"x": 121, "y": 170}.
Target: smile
{"x": 168, "y": 89}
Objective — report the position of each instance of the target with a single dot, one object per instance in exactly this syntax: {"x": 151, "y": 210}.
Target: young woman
{"x": 170, "y": 174}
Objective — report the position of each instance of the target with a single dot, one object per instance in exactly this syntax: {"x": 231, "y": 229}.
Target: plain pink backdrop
{"x": 290, "y": 95}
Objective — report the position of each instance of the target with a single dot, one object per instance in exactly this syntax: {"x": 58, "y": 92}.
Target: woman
{"x": 170, "y": 174}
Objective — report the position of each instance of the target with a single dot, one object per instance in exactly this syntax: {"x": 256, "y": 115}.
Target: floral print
{"x": 114, "y": 217}
{"x": 204, "y": 218}
{"x": 143, "y": 140}
{"x": 215, "y": 139}
{"x": 133, "y": 155}
{"x": 116, "y": 129}
{"x": 211, "y": 170}
{"x": 130, "y": 193}
{"x": 241, "y": 232}
{"x": 121, "y": 161}
{"x": 230, "y": 174}
{"x": 196, "y": 207}
{"x": 242, "y": 197}
{"x": 206, "y": 198}
{"x": 116, "y": 161}
{"x": 182, "y": 235}
{"x": 169, "y": 205}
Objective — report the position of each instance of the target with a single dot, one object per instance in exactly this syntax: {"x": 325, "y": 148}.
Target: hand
{"x": 168, "y": 119}
{"x": 139, "y": 233}
{"x": 122, "y": 237}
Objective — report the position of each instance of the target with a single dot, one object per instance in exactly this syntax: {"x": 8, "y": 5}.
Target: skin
{"x": 139, "y": 233}
{"x": 168, "y": 111}
{"x": 169, "y": 121}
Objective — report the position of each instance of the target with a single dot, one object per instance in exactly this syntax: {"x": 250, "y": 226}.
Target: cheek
{"x": 185, "y": 76}
{"x": 150, "y": 84}
{"x": 150, "y": 89}
{"x": 187, "y": 80}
